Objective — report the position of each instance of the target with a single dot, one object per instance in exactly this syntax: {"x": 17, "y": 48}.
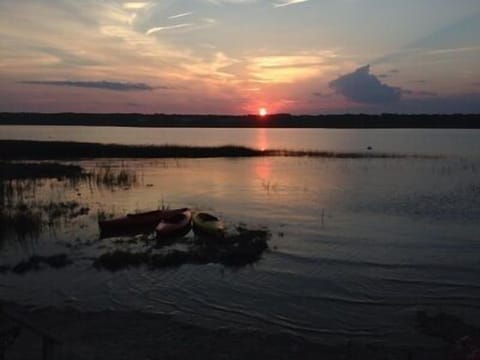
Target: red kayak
{"x": 176, "y": 225}
{"x": 136, "y": 223}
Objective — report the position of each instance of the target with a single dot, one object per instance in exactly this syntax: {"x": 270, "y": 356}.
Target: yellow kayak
{"x": 205, "y": 224}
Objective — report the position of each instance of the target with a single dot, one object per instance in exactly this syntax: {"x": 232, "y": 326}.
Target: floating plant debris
{"x": 237, "y": 250}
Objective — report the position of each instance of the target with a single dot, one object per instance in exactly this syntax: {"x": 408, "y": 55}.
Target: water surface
{"x": 419, "y": 141}
{"x": 358, "y": 245}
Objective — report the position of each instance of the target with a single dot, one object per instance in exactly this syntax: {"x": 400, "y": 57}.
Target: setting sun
{"x": 262, "y": 112}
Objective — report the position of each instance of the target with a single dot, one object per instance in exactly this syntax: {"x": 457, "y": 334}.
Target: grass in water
{"x": 23, "y": 149}
{"x": 22, "y": 221}
{"x": 27, "y": 221}
{"x": 241, "y": 249}
{"x": 15, "y": 170}
{"x": 113, "y": 178}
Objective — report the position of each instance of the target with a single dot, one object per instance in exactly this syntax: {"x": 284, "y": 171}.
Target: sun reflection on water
{"x": 261, "y": 139}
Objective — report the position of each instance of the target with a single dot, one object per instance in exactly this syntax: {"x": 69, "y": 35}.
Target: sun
{"x": 262, "y": 112}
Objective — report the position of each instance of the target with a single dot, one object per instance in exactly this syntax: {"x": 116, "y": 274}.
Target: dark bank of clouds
{"x": 419, "y": 93}
{"x": 363, "y": 87}
{"x": 451, "y": 104}
{"x": 106, "y": 85}
{"x": 423, "y": 103}
{"x": 373, "y": 96}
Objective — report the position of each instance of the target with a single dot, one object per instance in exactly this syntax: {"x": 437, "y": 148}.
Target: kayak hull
{"x": 208, "y": 226}
{"x": 135, "y": 223}
{"x": 177, "y": 225}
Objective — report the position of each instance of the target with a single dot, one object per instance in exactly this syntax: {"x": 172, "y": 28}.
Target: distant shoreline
{"x": 346, "y": 121}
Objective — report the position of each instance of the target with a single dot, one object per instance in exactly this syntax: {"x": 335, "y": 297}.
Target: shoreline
{"x": 285, "y": 120}
{"x": 137, "y": 335}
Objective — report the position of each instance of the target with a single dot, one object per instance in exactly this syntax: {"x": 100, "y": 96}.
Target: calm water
{"x": 358, "y": 245}
{"x": 462, "y": 142}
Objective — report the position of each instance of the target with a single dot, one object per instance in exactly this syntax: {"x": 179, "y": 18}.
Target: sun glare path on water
{"x": 262, "y": 112}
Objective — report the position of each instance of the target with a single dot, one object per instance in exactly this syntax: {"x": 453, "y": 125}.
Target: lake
{"x": 357, "y": 245}
{"x": 465, "y": 142}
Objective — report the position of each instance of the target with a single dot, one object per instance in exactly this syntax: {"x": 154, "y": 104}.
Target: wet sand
{"x": 134, "y": 335}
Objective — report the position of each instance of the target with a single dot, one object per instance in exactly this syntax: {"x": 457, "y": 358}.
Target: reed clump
{"x": 28, "y": 220}
{"x": 112, "y": 178}
{"x": 240, "y": 249}
{"x": 21, "y": 220}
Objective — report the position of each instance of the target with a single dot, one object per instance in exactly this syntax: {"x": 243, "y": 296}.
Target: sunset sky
{"x": 237, "y": 56}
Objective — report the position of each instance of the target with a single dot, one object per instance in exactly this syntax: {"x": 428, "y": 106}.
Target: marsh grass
{"x": 28, "y": 170}
{"x": 20, "y": 182}
{"x": 17, "y": 191}
{"x": 63, "y": 210}
{"x": 22, "y": 221}
{"x": 28, "y": 220}
{"x": 269, "y": 187}
{"x": 103, "y": 215}
{"x": 113, "y": 178}
{"x": 23, "y": 149}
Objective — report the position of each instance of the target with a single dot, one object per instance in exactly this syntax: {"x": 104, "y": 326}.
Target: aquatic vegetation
{"x": 104, "y": 215}
{"x": 67, "y": 210}
{"x": 15, "y": 191}
{"x": 13, "y": 170}
{"x": 23, "y": 149}
{"x": 240, "y": 249}
{"x": 269, "y": 187}
{"x": 28, "y": 220}
{"x": 244, "y": 248}
{"x": 112, "y": 178}
{"x": 22, "y": 221}
{"x": 35, "y": 263}
{"x": 119, "y": 259}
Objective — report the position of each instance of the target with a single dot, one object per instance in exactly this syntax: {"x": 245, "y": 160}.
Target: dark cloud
{"x": 322, "y": 95}
{"x": 107, "y": 85}
{"x": 452, "y": 104}
{"x": 419, "y": 92}
{"x": 426, "y": 93}
{"x": 363, "y": 87}
{"x": 462, "y": 103}
{"x": 476, "y": 83}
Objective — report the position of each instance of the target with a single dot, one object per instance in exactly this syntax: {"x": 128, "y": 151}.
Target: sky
{"x": 237, "y": 56}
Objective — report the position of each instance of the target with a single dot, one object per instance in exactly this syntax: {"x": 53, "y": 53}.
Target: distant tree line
{"x": 247, "y": 121}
